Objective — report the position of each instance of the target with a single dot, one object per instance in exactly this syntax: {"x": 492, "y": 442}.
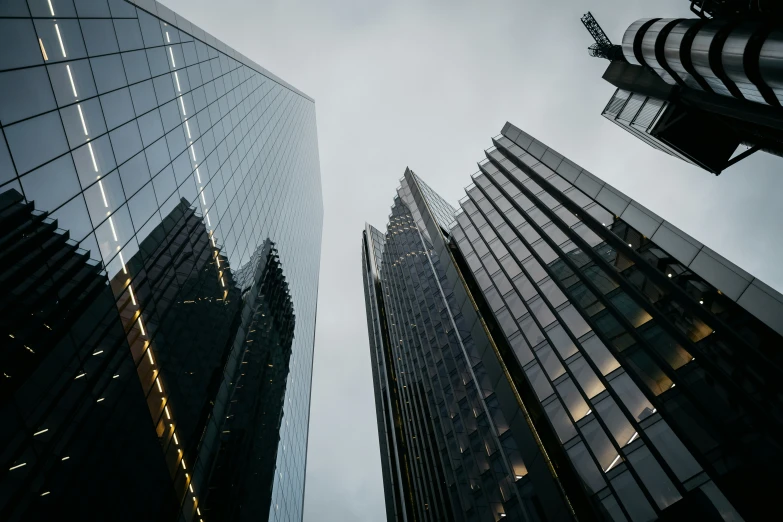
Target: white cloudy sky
{"x": 426, "y": 84}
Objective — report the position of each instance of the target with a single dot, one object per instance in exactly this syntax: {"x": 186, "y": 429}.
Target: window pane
{"x": 618, "y": 425}
{"x": 19, "y": 44}
{"x": 673, "y": 451}
{"x": 126, "y": 141}
{"x": 633, "y": 499}
{"x": 586, "y": 377}
{"x": 507, "y": 323}
{"x": 117, "y": 108}
{"x": 631, "y": 396}
{"x": 151, "y": 127}
{"x": 134, "y": 174}
{"x": 93, "y": 160}
{"x": 72, "y": 81}
{"x": 164, "y": 183}
{"x": 74, "y": 218}
{"x": 599, "y": 442}
{"x": 585, "y": 466}
{"x": 136, "y": 67}
{"x": 550, "y": 362}
{"x": 574, "y": 321}
{"x": 157, "y": 156}
{"x": 83, "y": 121}
{"x": 600, "y": 355}
{"x": 109, "y": 72}
{"x": 51, "y": 185}
{"x": 24, "y": 93}
{"x": 534, "y": 269}
{"x": 142, "y": 206}
{"x": 549, "y": 289}
{"x": 143, "y": 95}
{"x": 539, "y": 382}
{"x": 573, "y": 400}
{"x": 521, "y": 349}
{"x": 36, "y": 141}
{"x": 658, "y": 484}
{"x": 150, "y": 29}
{"x": 562, "y": 424}
{"x": 99, "y": 36}
{"x": 542, "y": 312}
{"x": 565, "y": 346}
{"x": 531, "y": 331}
{"x": 128, "y": 34}
{"x": 61, "y": 39}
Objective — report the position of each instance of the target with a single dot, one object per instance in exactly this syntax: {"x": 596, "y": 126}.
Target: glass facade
{"x": 646, "y": 365}
{"x": 163, "y": 191}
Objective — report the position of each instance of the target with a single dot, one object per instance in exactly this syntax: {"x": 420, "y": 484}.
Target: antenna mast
{"x": 603, "y": 47}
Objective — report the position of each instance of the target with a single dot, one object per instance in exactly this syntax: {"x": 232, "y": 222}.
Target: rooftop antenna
{"x": 603, "y": 47}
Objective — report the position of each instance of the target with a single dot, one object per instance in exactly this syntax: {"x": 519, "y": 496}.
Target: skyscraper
{"x": 555, "y": 351}
{"x": 700, "y": 89}
{"x": 161, "y": 207}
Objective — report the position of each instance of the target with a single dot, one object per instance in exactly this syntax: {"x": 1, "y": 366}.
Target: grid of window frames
{"x": 464, "y": 463}
{"x": 395, "y": 484}
{"x": 111, "y": 115}
{"x": 617, "y": 357}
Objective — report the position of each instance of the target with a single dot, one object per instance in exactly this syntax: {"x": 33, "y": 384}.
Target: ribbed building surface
{"x": 706, "y": 90}
{"x": 636, "y": 371}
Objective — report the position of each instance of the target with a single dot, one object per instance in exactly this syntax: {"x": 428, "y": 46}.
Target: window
{"x": 126, "y": 141}
{"x": 596, "y": 438}
{"x": 632, "y": 397}
{"x": 534, "y": 269}
{"x": 585, "y": 465}
{"x": 36, "y": 141}
{"x": 550, "y": 362}
{"x": 507, "y": 322}
{"x": 600, "y": 355}
{"x": 565, "y": 346}
{"x": 673, "y": 451}
{"x": 531, "y": 331}
{"x": 18, "y": 42}
{"x": 557, "y": 416}
{"x": 539, "y": 382}
{"x": 657, "y": 482}
{"x": 574, "y": 321}
{"x": 541, "y": 310}
{"x": 51, "y": 185}
{"x": 109, "y": 72}
{"x": 99, "y": 36}
{"x": 615, "y": 420}
{"x": 25, "y": 93}
{"x": 117, "y": 108}
{"x": 586, "y": 377}
{"x": 573, "y": 400}
{"x": 632, "y": 498}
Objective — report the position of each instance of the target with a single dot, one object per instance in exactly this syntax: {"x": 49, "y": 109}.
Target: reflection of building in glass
{"x": 167, "y": 157}
{"x": 76, "y": 434}
{"x": 558, "y": 351}
{"x": 699, "y": 88}
{"x": 255, "y": 382}
{"x": 183, "y": 288}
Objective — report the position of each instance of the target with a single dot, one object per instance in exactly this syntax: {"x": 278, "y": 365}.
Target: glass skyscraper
{"x": 161, "y": 214}
{"x": 552, "y": 350}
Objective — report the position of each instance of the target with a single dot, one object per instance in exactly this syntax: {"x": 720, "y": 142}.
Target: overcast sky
{"x": 426, "y": 84}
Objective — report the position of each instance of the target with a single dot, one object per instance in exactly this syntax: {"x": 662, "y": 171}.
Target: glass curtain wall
{"x": 168, "y": 159}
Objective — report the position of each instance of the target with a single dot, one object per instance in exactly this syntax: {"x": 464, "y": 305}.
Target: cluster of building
{"x": 550, "y": 350}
